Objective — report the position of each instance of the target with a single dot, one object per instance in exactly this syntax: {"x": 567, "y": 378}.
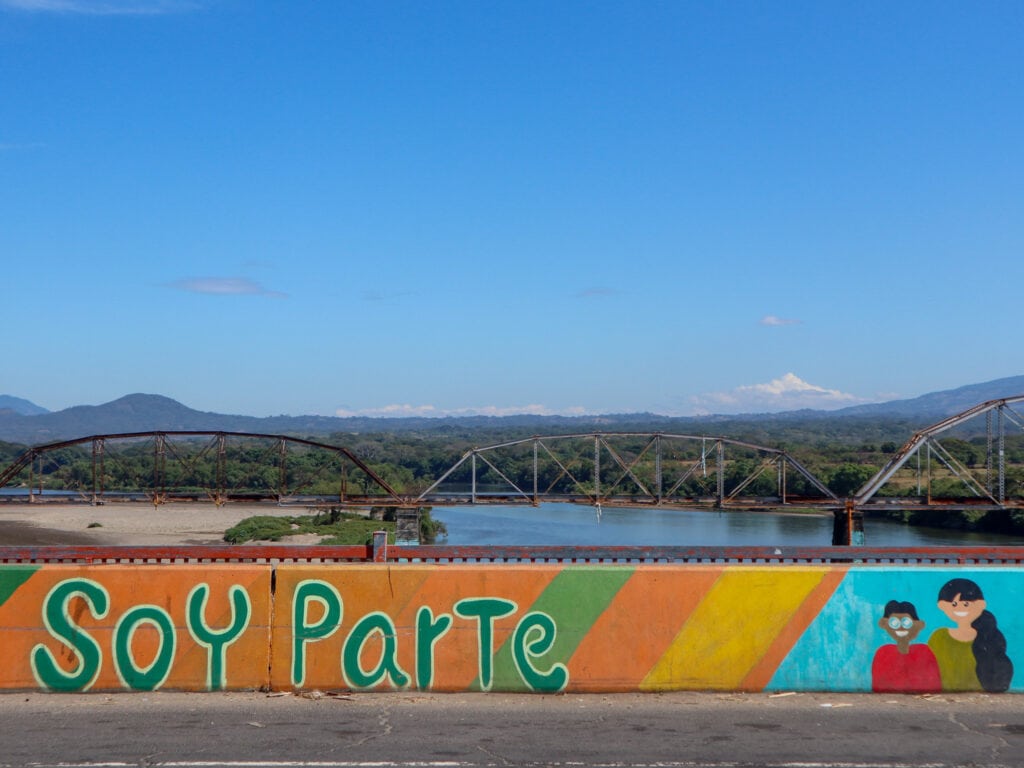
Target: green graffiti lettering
{"x": 329, "y": 599}
{"x": 387, "y": 666}
{"x": 534, "y": 636}
{"x": 485, "y": 610}
{"x": 217, "y": 642}
{"x": 60, "y": 625}
{"x": 151, "y": 676}
{"x": 428, "y": 632}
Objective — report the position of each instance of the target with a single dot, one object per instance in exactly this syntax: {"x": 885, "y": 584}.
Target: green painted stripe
{"x": 12, "y": 577}
{"x": 575, "y": 599}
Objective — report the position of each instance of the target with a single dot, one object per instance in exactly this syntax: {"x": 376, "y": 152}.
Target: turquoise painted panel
{"x": 838, "y": 649}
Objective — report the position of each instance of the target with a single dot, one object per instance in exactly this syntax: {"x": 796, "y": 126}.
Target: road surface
{"x": 240, "y": 730}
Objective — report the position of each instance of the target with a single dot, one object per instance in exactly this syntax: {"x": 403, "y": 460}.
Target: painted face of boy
{"x": 902, "y": 628}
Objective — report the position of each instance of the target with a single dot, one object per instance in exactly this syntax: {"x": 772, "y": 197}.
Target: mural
{"x": 904, "y": 666}
{"x": 628, "y": 628}
{"x": 113, "y": 627}
{"x": 972, "y": 654}
{"x": 495, "y": 627}
{"x": 838, "y": 650}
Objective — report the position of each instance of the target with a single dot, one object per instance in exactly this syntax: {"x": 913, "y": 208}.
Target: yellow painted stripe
{"x": 764, "y": 670}
{"x": 733, "y": 627}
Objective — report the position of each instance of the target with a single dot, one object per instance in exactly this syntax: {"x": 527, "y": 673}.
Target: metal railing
{"x": 390, "y": 554}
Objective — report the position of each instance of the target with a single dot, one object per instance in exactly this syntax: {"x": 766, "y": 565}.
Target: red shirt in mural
{"x": 915, "y": 671}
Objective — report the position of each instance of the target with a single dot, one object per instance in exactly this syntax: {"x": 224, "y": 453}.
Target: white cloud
{"x": 787, "y": 393}
{"x": 405, "y": 410}
{"x": 773, "y": 321}
{"x": 397, "y": 411}
{"x": 101, "y": 7}
{"x": 224, "y": 286}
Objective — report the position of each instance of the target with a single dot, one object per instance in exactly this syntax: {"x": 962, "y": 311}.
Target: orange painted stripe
{"x": 640, "y": 623}
{"x": 761, "y": 673}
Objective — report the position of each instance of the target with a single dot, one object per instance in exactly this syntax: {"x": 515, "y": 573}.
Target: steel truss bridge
{"x": 628, "y": 469}
{"x": 165, "y": 466}
{"x": 928, "y": 460}
{"x": 602, "y": 468}
{"x": 596, "y": 468}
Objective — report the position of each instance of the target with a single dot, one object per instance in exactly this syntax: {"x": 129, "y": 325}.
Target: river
{"x": 572, "y": 524}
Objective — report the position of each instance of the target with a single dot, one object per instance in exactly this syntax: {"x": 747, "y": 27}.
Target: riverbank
{"x": 130, "y": 524}
{"x": 199, "y": 523}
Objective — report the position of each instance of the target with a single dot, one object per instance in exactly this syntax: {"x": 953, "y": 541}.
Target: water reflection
{"x": 571, "y": 524}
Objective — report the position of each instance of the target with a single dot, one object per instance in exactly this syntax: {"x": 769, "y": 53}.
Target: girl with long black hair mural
{"x": 972, "y": 654}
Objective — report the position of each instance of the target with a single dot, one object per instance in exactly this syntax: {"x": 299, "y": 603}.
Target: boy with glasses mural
{"x": 905, "y": 666}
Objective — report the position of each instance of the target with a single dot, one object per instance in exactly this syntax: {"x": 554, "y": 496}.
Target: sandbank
{"x": 130, "y": 524}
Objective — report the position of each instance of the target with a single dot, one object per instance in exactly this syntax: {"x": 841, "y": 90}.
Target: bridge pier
{"x": 848, "y": 526}
{"x": 407, "y": 526}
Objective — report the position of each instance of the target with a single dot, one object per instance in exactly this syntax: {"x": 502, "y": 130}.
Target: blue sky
{"x": 555, "y": 207}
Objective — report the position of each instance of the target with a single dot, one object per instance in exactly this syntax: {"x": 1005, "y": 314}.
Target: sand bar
{"x": 131, "y": 524}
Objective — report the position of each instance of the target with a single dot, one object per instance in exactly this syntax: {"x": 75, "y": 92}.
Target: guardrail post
{"x": 380, "y": 546}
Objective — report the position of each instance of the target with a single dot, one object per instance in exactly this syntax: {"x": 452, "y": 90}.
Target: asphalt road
{"x": 406, "y": 729}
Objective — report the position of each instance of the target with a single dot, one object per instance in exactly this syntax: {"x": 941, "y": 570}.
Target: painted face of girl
{"x": 962, "y": 612}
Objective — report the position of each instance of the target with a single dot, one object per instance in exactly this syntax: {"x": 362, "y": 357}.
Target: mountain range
{"x": 21, "y": 421}
{"x": 20, "y": 405}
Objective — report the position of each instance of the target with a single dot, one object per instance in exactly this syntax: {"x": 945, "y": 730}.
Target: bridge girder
{"x": 586, "y": 483}
{"x": 165, "y": 450}
{"x": 993, "y": 491}
{"x": 583, "y": 479}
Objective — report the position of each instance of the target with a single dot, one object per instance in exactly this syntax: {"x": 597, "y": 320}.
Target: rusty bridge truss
{"x": 198, "y": 466}
{"x": 938, "y": 468}
{"x": 927, "y": 473}
{"x": 628, "y": 469}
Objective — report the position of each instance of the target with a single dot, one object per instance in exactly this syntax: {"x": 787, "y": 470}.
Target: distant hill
{"x": 938, "y": 405}
{"x": 20, "y": 405}
{"x": 145, "y": 413}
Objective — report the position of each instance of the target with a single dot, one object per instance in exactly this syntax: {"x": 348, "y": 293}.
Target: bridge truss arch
{"x": 984, "y": 486}
{"x": 162, "y": 466}
{"x": 628, "y": 469}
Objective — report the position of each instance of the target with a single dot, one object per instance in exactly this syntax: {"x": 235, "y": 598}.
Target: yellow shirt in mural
{"x": 956, "y": 662}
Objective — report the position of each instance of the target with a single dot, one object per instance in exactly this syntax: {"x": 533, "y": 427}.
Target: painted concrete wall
{"x": 512, "y": 627}
{"x": 183, "y": 627}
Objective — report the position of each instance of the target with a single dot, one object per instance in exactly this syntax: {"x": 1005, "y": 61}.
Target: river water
{"x": 572, "y": 524}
